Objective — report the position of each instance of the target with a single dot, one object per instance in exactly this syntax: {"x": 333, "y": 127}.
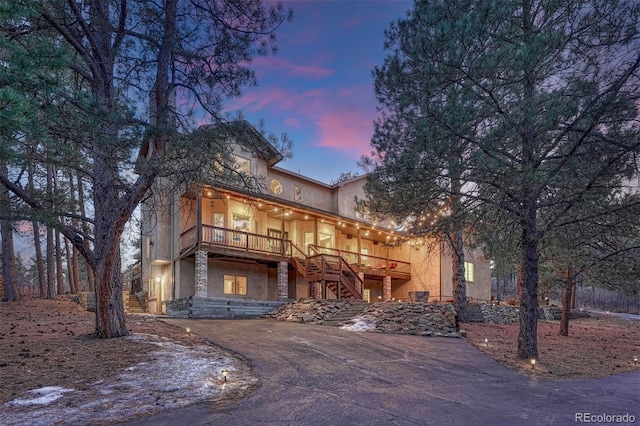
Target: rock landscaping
{"x": 508, "y": 314}
{"x": 314, "y": 311}
{"x": 415, "y": 318}
{"x": 500, "y": 314}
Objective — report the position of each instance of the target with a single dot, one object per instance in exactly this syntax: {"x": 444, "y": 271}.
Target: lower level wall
{"x": 200, "y": 307}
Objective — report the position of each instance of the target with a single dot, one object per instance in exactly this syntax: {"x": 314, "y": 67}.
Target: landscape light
{"x": 533, "y": 363}
{"x": 225, "y": 372}
{"x": 486, "y": 341}
{"x": 635, "y": 359}
{"x": 188, "y": 330}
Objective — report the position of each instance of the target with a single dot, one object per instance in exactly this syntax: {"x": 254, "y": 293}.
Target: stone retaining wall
{"x": 509, "y": 314}
{"x": 417, "y": 318}
{"x": 313, "y": 311}
{"x": 500, "y": 314}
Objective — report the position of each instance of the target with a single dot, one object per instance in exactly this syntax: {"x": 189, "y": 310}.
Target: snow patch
{"x": 172, "y": 376}
{"x": 361, "y": 324}
{"x": 42, "y": 396}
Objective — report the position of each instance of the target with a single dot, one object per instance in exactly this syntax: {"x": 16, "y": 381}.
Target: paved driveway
{"x": 315, "y": 375}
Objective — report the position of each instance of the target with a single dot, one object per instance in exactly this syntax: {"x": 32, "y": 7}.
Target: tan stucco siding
{"x": 257, "y": 278}
{"x": 480, "y": 288}
{"x": 313, "y": 195}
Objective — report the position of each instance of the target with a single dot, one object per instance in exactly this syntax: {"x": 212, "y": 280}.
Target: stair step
{"x": 345, "y": 314}
{"x": 134, "y": 305}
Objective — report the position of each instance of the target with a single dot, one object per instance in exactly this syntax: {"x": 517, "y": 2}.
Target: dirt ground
{"x": 50, "y": 343}
{"x": 597, "y": 346}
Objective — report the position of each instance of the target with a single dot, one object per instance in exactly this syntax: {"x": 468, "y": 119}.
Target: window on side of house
{"x": 235, "y": 284}
{"x": 242, "y": 165}
{"x": 469, "y": 273}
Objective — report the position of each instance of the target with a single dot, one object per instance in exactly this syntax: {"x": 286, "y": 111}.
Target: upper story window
{"x": 242, "y": 165}
{"x": 469, "y": 273}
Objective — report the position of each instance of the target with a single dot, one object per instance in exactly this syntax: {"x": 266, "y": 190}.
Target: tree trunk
{"x": 85, "y": 228}
{"x": 72, "y": 258}
{"x": 457, "y": 245}
{"x": 528, "y": 335}
{"x": 70, "y": 272}
{"x": 529, "y": 196}
{"x": 110, "y": 318}
{"x": 37, "y": 244}
{"x": 567, "y": 293}
{"x": 8, "y": 255}
{"x": 59, "y": 275}
{"x": 50, "y": 252}
{"x": 573, "y": 295}
{"x": 459, "y": 283}
{"x": 8, "y": 262}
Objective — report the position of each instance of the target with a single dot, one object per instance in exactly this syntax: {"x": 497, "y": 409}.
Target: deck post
{"x": 201, "y": 273}
{"x": 386, "y": 288}
{"x": 199, "y": 219}
{"x": 283, "y": 280}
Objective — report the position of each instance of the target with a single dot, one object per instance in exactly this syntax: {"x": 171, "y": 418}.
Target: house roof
{"x": 242, "y": 130}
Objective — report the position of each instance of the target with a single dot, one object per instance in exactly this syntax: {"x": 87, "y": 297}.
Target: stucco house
{"x": 298, "y": 238}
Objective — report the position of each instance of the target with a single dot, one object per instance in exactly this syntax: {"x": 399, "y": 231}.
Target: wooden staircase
{"x": 334, "y": 272}
{"x": 134, "y": 305}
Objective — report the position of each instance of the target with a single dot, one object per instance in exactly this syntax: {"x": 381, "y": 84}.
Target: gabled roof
{"x": 246, "y": 136}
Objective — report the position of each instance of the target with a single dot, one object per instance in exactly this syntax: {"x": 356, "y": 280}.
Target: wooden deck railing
{"x": 223, "y": 237}
{"x": 365, "y": 261}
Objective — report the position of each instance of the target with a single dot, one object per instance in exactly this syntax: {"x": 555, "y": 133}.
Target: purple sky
{"x": 318, "y": 87}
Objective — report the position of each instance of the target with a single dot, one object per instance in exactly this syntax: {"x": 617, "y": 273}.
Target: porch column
{"x": 201, "y": 273}
{"x": 283, "y": 280}
{"x": 317, "y": 290}
{"x": 361, "y": 276}
{"x": 386, "y": 289}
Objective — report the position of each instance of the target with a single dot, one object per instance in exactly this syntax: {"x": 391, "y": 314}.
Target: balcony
{"x": 240, "y": 243}
{"x": 214, "y": 237}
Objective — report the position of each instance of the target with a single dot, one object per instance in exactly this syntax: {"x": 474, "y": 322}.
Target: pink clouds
{"x": 347, "y": 131}
{"x": 272, "y": 63}
{"x": 276, "y": 98}
{"x": 339, "y": 120}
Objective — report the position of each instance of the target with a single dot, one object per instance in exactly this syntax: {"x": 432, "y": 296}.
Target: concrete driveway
{"x": 316, "y": 375}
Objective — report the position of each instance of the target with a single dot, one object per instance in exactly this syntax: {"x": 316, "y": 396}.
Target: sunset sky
{"x": 318, "y": 87}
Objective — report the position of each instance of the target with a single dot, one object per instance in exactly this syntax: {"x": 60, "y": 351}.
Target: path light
{"x": 486, "y": 341}
{"x": 225, "y": 373}
{"x": 188, "y": 330}
{"x": 533, "y": 363}
{"x": 635, "y": 359}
